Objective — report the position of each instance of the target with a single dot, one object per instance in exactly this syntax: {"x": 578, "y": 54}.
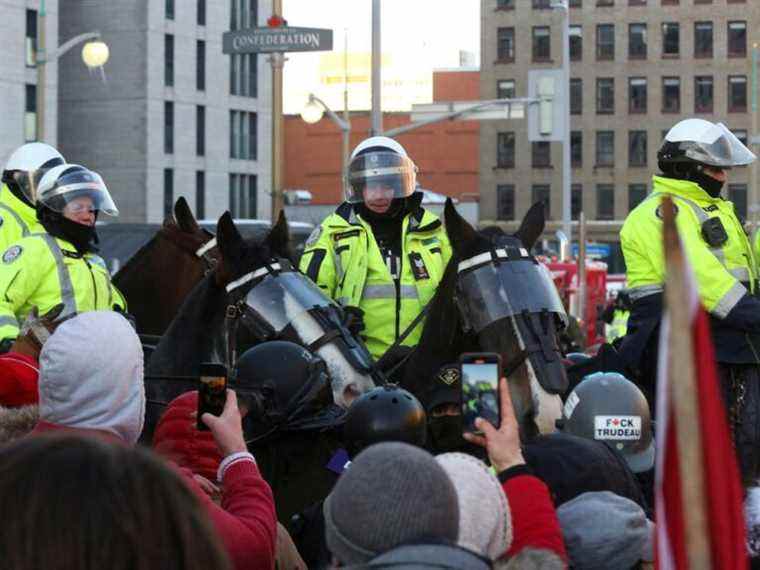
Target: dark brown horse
{"x": 156, "y": 280}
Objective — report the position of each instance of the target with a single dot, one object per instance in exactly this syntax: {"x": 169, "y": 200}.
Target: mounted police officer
{"x": 380, "y": 255}
{"x": 59, "y": 265}
{"x": 20, "y": 181}
{"x": 694, "y": 158}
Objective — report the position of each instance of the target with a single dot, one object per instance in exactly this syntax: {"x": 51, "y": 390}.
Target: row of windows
{"x": 242, "y": 194}
{"x": 200, "y": 11}
{"x": 242, "y": 132}
{"x": 736, "y": 41}
{"x": 200, "y": 62}
{"x": 546, "y": 4}
{"x": 605, "y": 199}
{"x": 638, "y": 147}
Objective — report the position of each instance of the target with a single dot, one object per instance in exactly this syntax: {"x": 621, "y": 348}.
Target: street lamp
{"x": 312, "y": 113}
{"x": 94, "y": 54}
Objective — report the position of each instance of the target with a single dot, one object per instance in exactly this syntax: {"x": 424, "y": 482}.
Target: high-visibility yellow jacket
{"x": 723, "y": 274}
{"x": 344, "y": 260}
{"x": 17, "y": 220}
{"x": 43, "y": 271}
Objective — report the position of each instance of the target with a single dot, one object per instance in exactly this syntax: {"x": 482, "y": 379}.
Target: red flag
{"x": 721, "y": 490}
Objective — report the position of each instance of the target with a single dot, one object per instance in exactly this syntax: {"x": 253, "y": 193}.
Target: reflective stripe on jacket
{"x": 723, "y": 273}
{"x": 42, "y": 271}
{"x": 17, "y": 220}
{"x": 344, "y": 260}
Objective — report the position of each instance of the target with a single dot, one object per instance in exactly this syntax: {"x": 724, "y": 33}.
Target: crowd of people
{"x": 283, "y": 477}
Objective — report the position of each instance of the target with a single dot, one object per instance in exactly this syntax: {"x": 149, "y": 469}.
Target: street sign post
{"x": 268, "y": 40}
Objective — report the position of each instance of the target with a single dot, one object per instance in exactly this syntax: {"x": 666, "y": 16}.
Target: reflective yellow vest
{"x": 344, "y": 260}
{"x": 723, "y": 273}
{"x": 42, "y": 271}
{"x": 17, "y": 220}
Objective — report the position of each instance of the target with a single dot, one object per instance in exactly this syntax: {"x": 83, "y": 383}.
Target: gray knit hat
{"x": 392, "y": 494}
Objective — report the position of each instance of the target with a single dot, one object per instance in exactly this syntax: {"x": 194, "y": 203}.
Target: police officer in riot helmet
{"x": 387, "y": 413}
{"x": 608, "y": 407}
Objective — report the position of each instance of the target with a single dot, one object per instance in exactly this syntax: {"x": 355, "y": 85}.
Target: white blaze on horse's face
{"x": 347, "y": 384}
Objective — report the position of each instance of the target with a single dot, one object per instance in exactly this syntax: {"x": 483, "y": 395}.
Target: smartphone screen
{"x": 480, "y": 390}
{"x": 212, "y": 391}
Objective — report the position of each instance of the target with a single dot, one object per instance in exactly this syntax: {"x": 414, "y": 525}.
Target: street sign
{"x": 267, "y": 40}
{"x": 497, "y": 111}
{"x": 594, "y": 250}
{"x": 546, "y": 119}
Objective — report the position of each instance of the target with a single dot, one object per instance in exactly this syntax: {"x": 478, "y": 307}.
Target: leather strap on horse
{"x": 383, "y": 360}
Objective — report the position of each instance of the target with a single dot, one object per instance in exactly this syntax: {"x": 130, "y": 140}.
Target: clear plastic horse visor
{"x": 283, "y": 298}
{"x": 79, "y": 184}
{"x": 491, "y": 292}
{"x": 713, "y": 145}
{"x": 388, "y": 171}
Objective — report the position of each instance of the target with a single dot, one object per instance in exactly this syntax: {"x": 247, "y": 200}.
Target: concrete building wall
{"x": 15, "y": 75}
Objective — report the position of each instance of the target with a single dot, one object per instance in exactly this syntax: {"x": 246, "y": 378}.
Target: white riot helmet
{"x": 64, "y": 184}
{"x": 26, "y": 167}
{"x": 700, "y": 142}
{"x": 380, "y": 161}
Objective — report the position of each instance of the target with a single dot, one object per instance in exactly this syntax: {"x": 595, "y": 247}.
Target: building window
{"x": 200, "y": 59}
{"x": 576, "y": 3}
{"x": 703, "y": 39}
{"x": 605, "y": 148}
{"x": 243, "y": 135}
{"x": 505, "y": 202}
{"x": 605, "y": 41}
{"x": 542, "y": 193}
{"x": 169, "y": 60}
{"x": 168, "y": 191}
{"x": 244, "y": 14}
{"x": 243, "y": 195}
{"x": 201, "y": 12}
{"x": 671, "y": 94}
{"x": 200, "y": 194}
{"x": 169, "y": 9}
{"x": 576, "y": 201}
{"x": 505, "y": 44}
{"x": 637, "y": 148}
{"x": 671, "y": 42}
{"x": 737, "y": 193}
{"x": 637, "y": 95}
{"x": 605, "y": 2}
{"x": 541, "y": 4}
{"x": 542, "y": 49}
{"x": 576, "y": 96}
{"x": 541, "y": 156}
{"x": 637, "y": 193}
{"x": 505, "y": 150}
{"x": 168, "y": 127}
{"x": 605, "y": 202}
{"x": 605, "y": 95}
{"x": 505, "y": 89}
{"x": 200, "y": 130}
{"x": 505, "y": 4}
{"x": 30, "y": 113}
{"x": 737, "y": 39}
{"x": 703, "y": 94}
{"x": 576, "y": 149}
{"x": 31, "y": 38}
{"x": 637, "y": 41}
{"x": 243, "y": 75}
{"x": 737, "y": 93}
{"x": 576, "y": 43}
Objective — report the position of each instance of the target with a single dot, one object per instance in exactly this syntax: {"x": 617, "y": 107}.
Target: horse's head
{"x": 508, "y": 300}
{"x": 184, "y": 233}
{"x": 269, "y": 299}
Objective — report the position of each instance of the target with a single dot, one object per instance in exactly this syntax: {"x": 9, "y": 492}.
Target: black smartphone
{"x": 480, "y": 373}
{"x": 212, "y": 391}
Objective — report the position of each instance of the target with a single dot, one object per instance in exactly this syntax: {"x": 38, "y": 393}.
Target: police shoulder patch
{"x": 449, "y": 376}
{"x": 658, "y": 211}
{"x": 12, "y": 253}
{"x": 314, "y": 236}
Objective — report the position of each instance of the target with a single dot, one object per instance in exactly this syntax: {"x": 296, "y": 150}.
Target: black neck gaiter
{"x": 83, "y": 238}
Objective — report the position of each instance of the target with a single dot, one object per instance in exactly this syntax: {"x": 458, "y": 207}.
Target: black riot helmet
{"x": 286, "y": 388}
{"x": 387, "y": 413}
{"x": 607, "y": 407}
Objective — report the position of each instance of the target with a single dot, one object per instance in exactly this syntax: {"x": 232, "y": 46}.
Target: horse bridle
{"x": 203, "y": 252}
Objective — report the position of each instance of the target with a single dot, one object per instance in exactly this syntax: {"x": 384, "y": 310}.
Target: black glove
{"x": 6, "y": 344}
{"x": 354, "y": 320}
{"x": 745, "y": 315}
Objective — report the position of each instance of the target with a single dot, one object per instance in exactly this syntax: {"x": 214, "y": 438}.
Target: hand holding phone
{"x": 212, "y": 391}
{"x": 480, "y": 373}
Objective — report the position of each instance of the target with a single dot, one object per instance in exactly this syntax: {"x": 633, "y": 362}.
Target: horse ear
{"x": 228, "y": 237}
{"x": 532, "y": 225}
{"x": 459, "y": 231}
{"x": 183, "y": 215}
{"x": 279, "y": 236}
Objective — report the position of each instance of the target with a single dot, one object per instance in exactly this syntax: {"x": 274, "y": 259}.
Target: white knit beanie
{"x": 485, "y": 521}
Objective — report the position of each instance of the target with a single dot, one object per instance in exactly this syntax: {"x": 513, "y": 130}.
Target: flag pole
{"x": 683, "y": 395}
